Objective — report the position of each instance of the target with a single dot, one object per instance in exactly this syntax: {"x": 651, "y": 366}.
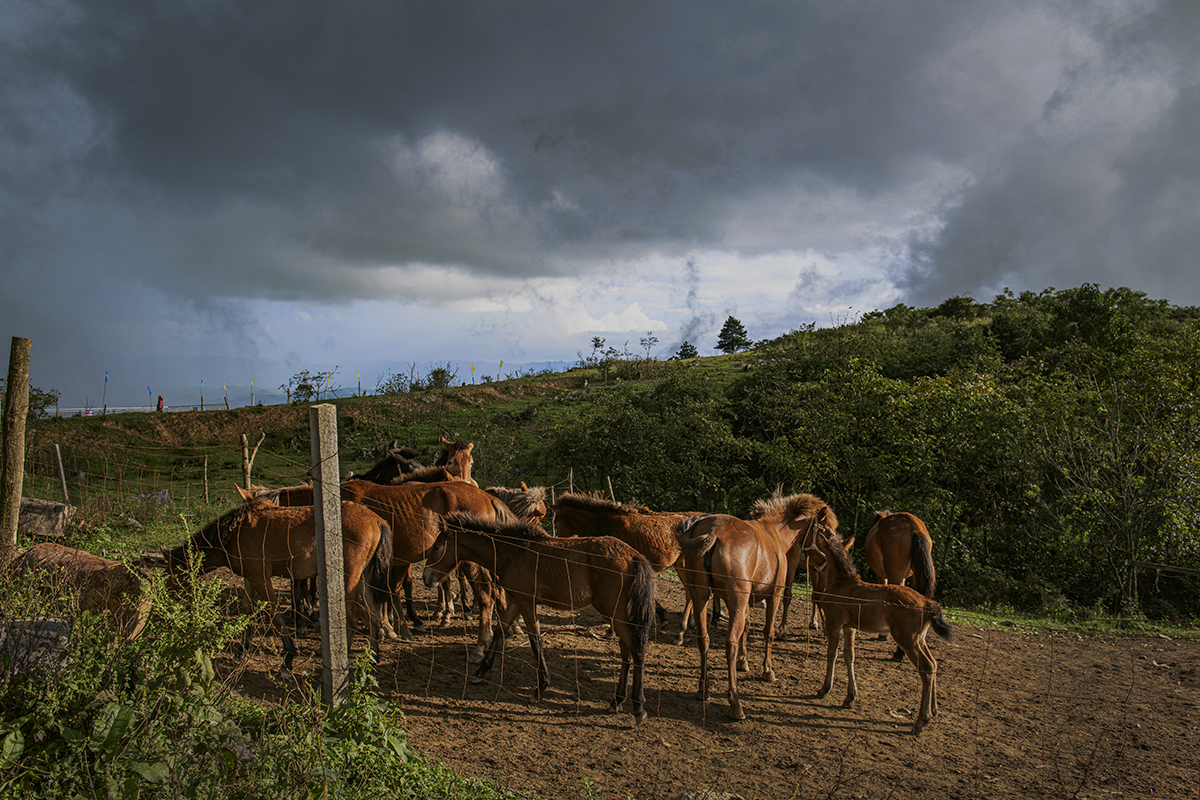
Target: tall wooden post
{"x": 331, "y": 581}
{"x": 12, "y": 476}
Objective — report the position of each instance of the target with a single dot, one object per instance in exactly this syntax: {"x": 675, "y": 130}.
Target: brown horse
{"x": 801, "y": 554}
{"x": 651, "y": 533}
{"x": 532, "y": 567}
{"x": 456, "y": 458}
{"x": 258, "y": 540}
{"x": 899, "y": 547}
{"x": 528, "y": 504}
{"x": 411, "y": 509}
{"x": 743, "y": 562}
{"x": 849, "y": 603}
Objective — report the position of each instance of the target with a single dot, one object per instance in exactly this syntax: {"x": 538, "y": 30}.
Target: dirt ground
{"x": 1021, "y": 715}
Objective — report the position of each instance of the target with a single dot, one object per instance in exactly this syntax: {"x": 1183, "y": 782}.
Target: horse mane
{"x": 597, "y": 501}
{"x": 776, "y": 508}
{"x": 499, "y": 529}
{"x": 216, "y": 534}
{"x": 521, "y": 502}
{"x": 841, "y": 559}
{"x": 425, "y": 475}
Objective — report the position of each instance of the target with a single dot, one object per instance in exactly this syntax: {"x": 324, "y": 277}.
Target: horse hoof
{"x": 848, "y": 703}
{"x": 478, "y": 679}
{"x": 736, "y": 713}
{"x": 769, "y": 676}
{"x": 639, "y": 716}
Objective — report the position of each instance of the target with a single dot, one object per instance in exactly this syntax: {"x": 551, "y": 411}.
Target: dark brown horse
{"x": 743, "y": 562}
{"x": 258, "y": 540}
{"x": 849, "y": 604}
{"x": 396, "y": 462}
{"x": 651, "y": 533}
{"x": 534, "y": 568}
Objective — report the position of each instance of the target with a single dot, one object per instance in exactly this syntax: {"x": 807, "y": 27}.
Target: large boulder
{"x": 95, "y": 584}
{"x": 43, "y": 519}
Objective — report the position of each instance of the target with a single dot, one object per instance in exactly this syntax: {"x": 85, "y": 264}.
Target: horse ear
{"x": 446, "y": 441}
{"x": 849, "y": 543}
{"x": 245, "y": 493}
{"x": 524, "y": 488}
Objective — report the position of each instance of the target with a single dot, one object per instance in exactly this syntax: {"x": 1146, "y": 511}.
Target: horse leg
{"x": 848, "y": 655}
{"x": 737, "y": 631}
{"x": 464, "y": 593}
{"x": 534, "y": 632}
{"x": 499, "y": 637}
{"x": 813, "y": 578}
{"x": 700, "y": 612}
{"x": 927, "y": 668}
{"x": 487, "y": 602}
{"x": 399, "y": 578}
{"x": 407, "y": 582}
{"x": 832, "y": 634}
{"x": 768, "y": 673}
{"x": 262, "y": 588}
{"x": 686, "y": 621}
{"x": 786, "y": 604}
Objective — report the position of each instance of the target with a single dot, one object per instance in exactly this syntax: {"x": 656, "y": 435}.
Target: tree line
{"x": 1051, "y": 441}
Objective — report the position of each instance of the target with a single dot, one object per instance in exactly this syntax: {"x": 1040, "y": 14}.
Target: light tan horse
{"x": 534, "y": 568}
{"x": 258, "y": 540}
{"x": 851, "y": 604}
{"x": 743, "y": 562}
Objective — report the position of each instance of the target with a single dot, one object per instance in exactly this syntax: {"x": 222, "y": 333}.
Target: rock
{"x": 43, "y": 518}
{"x": 38, "y": 645}
{"x": 95, "y": 584}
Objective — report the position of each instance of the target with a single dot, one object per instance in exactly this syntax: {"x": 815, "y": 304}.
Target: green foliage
{"x": 305, "y": 386}
{"x": 40, "y": 400}
{"x": 687, "y": 350}
{"x": 733, "y": 336}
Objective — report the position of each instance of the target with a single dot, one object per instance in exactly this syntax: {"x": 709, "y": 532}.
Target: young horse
{"x": 258, "y": 540}
{"x": 743, "y": 562}
{"x": 456, "y": 458}
{"x": 898, "y": 547}
{"x": 601, "y": 572}
{"x": 849, "y": 604}
{"x": 651, "y": 533}
{"x": 528, "y": 504}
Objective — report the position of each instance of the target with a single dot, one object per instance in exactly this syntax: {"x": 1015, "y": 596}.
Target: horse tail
{"x": 379, "y": 569}
{"x": 938, "y": 622}
{"x": 641, "y": 603}
{"x": 691, "y": 544}
{"x": 924, "y": 578}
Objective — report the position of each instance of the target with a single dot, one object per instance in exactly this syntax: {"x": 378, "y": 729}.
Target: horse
{"x": 651, "y": 533}
{"x": 456, "y": 458}
{"x": 396, "y": 461}
{"x": 411, "y": 509}
{"x": 849, "y": 603}
{"x": 258, "y": 540}
{"x": 899, "y": 547}
{"x": 533, "y": 567}
{"x": 528, "y": 504}
{"x": 743, "y": 562}
{"x": 801, "y": 553}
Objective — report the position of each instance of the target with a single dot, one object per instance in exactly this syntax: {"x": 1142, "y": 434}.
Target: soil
{"x": 1021, "y": 715}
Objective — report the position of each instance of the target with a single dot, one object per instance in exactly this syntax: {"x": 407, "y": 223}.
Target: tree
{"x": 687, "y": 350}
{"x": 648, "y": 342}
{"x": 732, "y": 336}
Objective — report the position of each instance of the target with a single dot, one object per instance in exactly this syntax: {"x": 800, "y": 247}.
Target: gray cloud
{"x": 181, "y": 158}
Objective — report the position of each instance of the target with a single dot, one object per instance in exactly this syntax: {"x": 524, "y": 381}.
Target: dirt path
{"x": 1020, "y": 716}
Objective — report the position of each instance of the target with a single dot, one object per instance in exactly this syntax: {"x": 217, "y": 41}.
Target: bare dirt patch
{"x": 1020, "y": 715}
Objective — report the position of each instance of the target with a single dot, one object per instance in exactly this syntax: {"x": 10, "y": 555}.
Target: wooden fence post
{"x": 62, "y": 475}
{"x": 12, "y": 474}
{"x": 331, "y": 581}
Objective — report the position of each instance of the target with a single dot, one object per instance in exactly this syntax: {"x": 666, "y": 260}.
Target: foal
{"x": 849, "y": 603}
{"x": 532, "y": 568}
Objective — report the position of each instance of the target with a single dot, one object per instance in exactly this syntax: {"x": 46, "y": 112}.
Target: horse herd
{"x": 604, "y": 555}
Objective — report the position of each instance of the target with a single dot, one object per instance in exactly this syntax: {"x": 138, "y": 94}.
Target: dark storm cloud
{"x": 300, "y": 151}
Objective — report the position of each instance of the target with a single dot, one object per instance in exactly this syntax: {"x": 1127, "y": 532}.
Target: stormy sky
{"x": 200, "y": 190}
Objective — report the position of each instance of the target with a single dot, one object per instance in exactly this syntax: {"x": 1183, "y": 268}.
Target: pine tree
{"x": 687, "y": 350}
{"x": 732, "y": 336}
